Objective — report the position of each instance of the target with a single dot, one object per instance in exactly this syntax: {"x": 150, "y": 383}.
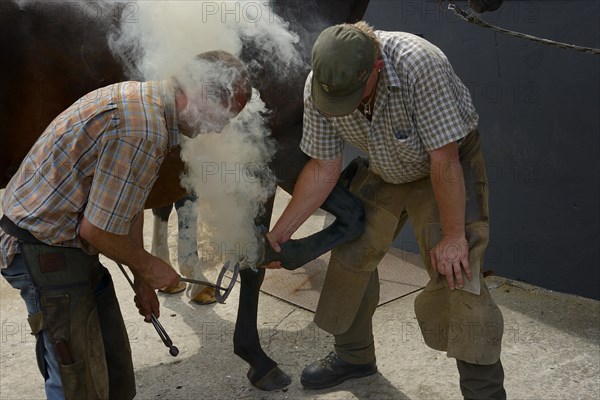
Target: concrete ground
{"x": 550, "y": 348}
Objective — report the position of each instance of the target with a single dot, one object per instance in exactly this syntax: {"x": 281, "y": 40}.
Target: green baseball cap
{"x": 342, "y": 60}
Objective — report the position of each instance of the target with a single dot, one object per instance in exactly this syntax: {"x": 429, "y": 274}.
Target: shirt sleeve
{"x": 126, "y": 171}
{"x": 443, "y": 111}
{"x": 320, "y": 139}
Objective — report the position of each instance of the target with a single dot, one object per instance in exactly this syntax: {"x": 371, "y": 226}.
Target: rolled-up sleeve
{"x": 126, "y": 171}
{"x": 320, "y": 139}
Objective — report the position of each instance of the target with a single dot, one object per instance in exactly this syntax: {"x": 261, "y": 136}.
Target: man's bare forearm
{"x": 153, "y": 271}
{"x": 121, "y": 248}
{"x": 314, "y": 184}
{"x": 448, "y": 184}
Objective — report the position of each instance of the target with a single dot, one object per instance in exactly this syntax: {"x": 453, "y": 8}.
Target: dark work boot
{"x": 332, "y": 370}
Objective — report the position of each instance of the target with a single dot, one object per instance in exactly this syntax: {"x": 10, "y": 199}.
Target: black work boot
{"x": 332, "y": 370}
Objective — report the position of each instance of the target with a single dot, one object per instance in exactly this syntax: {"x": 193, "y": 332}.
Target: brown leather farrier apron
{"x": 465, "y": 323}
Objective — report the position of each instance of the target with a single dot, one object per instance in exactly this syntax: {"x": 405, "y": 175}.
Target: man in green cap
{"x": 396, "y": 97}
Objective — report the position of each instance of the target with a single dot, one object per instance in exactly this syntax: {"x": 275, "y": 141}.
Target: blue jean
{"x": 18, "y": 277}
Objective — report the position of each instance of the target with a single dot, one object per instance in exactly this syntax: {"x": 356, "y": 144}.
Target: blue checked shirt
{"x": 420, "y": 105}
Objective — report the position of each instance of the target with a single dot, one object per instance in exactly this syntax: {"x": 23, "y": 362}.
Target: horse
{"x": 58, "y": 52}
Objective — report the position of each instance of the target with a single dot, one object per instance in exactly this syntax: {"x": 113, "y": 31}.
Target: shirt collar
{"x": 168, "y": 93}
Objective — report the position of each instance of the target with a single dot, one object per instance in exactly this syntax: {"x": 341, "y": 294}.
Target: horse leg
{"x": 264, "y": 372}
{"x": 187, "y": 250}
{"x": 160, "y": 244}
{"x": 349, "y": 225}
{"x": 160, "y": 233}
{"x": 187, "y": 240}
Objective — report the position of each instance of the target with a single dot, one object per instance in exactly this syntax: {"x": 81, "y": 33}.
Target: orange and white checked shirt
{"x": 99, "y": 159}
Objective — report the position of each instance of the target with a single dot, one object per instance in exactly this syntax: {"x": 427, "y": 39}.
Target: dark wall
{"x": 539, "y": 110}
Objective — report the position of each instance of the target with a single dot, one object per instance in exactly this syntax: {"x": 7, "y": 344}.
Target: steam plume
{"x": 226, "y": 171}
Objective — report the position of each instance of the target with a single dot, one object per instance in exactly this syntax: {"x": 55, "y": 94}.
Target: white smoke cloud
{"x": 156, "y": 40}
{"x": 227, "y": 172}
{"x": 159, "y": 36}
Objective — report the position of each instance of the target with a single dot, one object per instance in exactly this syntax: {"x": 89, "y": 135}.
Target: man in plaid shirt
{"x": 396, "y": 97}
{"x": 79, "y": 192}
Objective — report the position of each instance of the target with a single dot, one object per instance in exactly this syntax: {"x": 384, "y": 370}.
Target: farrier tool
{"x": 173, "y": 350}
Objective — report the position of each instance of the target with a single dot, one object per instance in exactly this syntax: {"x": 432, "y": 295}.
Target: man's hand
{"x": 146, "y": 300}
{"x": 158, "y": 274}
{"x": 449, "y": 256}
{"x": 274, "y": 242}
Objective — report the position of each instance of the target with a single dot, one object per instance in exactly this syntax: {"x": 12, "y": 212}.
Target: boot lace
{"x": 329, "y": 359}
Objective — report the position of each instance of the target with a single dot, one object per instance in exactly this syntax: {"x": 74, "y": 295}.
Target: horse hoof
{"x": 275, "y": 379}
{"x": 173, "y": 289}
{"x": 205, "y": 296}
